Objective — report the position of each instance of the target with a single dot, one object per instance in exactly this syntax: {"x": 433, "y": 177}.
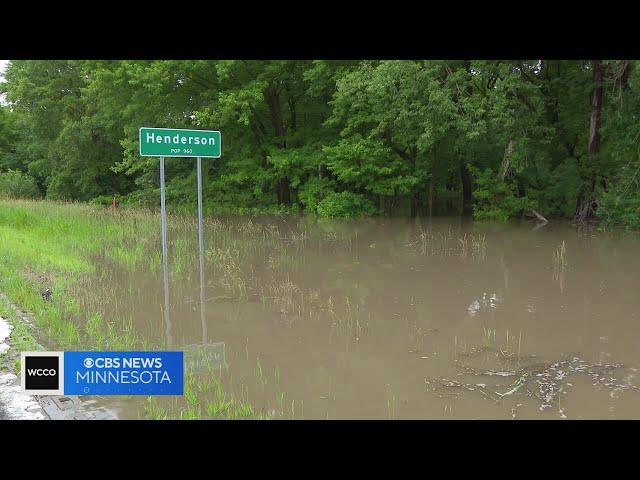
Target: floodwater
{"x": 397, "y": 318}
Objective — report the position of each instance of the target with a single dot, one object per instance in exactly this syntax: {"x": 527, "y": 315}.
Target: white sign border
{"x": 182, "y": 130}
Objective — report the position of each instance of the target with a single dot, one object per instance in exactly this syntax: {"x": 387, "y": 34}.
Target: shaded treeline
{"x": 336, "y": 138}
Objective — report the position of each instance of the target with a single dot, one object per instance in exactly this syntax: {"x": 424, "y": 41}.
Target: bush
{"x": 345, "y": 205}
{"x": 314, "y": 191}
{"x": 496, "y": 199}
{"x": 620, "y": 208}
{"x": 15, "y": 184}
{"x": 146, "y": 197}
{"x": 104, "y": 200}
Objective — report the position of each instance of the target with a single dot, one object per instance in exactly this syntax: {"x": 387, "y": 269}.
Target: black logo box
{"x": 42, "y": 373}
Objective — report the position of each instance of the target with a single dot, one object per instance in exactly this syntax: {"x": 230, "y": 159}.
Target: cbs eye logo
{"x": 42, "y": 373}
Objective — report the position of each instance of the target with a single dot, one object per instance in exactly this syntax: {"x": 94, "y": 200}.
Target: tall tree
{"x": 586, "y": 200}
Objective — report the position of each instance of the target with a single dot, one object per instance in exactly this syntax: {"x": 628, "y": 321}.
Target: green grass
{"x": 54, "y": 245}
{"x": 59, "y": 246}
{"x": 204, "y": 398}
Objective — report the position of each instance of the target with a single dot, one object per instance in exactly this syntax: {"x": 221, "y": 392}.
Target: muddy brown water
{"x": 401, "y": 319}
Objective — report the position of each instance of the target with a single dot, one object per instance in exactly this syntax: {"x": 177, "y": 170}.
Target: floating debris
{"x": 486, "y": 303}
{"x": 543, "y": 382}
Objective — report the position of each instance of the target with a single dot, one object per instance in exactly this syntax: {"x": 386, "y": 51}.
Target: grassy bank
{"x": 65, "y": 247}
{"x": 51, "y": 245}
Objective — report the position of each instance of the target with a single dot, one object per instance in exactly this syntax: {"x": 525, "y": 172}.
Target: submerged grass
{"x": 507, "y": 348}
{"x": 560, "y": 257}
{"x": 55, "y": 245}
{"x": 88, "y": 256}
{"x": 204, "y": 398}
{"x": 447, "y": 243}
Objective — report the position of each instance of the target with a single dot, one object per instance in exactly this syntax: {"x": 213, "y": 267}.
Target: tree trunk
{"x": 275, "y": 114}
{"x": 586, "y": 200}
{"x": 539, "y": 217}
{"x": 596, "y": 109}
{"x": 322, "y": 171}
{"x": 449, "y": 188}
{"x": 293, "y": 114}
{"x": 467, "y": 197}
{"x": 414, "y": 205}
{"x": 432, "y": 182}
{"x": 504, "y": 171}
{"x": 284, "y": 192}
{"x": 623, "y": 75}
{"x": 386, "y": 205}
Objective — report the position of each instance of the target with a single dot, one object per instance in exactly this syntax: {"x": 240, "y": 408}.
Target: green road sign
{"x": 172, "y": 142}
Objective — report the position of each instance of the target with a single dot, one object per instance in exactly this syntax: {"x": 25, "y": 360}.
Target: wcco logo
{"x": 42, "y": 373}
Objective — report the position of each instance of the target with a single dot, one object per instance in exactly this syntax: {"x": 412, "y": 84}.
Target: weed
{"x": 560, "y": 257}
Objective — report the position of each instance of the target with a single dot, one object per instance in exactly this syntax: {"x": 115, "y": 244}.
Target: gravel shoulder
{"x": 15, "y": 336}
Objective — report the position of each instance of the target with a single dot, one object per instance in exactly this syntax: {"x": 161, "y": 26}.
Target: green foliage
{"x": 619, "y": 202}
{"x": 554, "y": 191}
{"x": 345, "y": 205}
{"x": 8, "y": 134}
{"x": 620, "y": 205}
{"x": 396, "y": 132}
{"x": 496, "y": 199}
{"x": 314, "y": 191}
{"x": 620, "y": 210}
{"x": 369, "y": 166}
{"x": 15, "y": 184}
{"x": 104, "y": 200}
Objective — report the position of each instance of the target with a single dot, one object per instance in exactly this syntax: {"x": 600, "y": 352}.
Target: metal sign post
{"x": 161, "y": 142}
{"x": 165, "y": 259}
{"x": 201, "y": 249}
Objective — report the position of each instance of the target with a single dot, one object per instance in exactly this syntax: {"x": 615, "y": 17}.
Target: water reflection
{"x": 166, "y": 312}
{"x": 351, "y": 319}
